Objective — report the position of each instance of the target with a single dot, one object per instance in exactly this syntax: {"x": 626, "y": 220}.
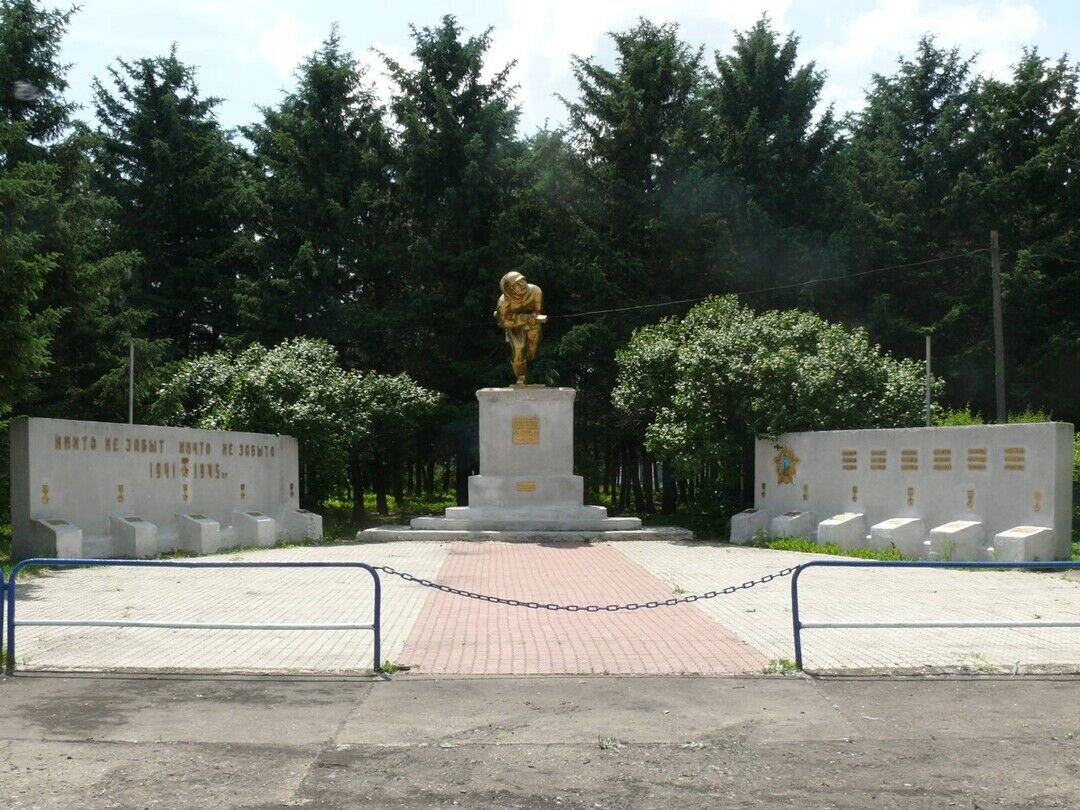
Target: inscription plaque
{"x": 525, "y": 429}
{"x": 526, "y": 486}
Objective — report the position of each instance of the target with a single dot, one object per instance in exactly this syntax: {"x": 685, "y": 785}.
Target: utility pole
{"x": 999, "y": 333}
{"x": 131, "y": 382}
{"x": 928, "y": 380}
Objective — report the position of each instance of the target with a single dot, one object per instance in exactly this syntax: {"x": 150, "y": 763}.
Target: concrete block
{"x": 54, "y": 537}
{"x": 906, "y": 535}
{"x": 133, "y": 537}
{"x": 847, "y": 530}
{"x": 300, "y": 524}
{"x": 748, "y": 524}
{"x": 198, "y": 533}
{"x": 254, "y": 529}
{"x": 1024, "y": 544}
{"x": 793, "y": 524}
{"x": 958, "y": 540}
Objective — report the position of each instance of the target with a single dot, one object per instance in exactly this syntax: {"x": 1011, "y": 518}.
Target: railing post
{"x": 3, "y": 599}
{"x": 378, "y": 620}
{"x": 795, "y": 624}
{"x": 9, "y": 592}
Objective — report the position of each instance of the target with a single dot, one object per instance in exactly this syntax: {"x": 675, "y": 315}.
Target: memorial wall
{"x": 990, "y": 478}
{"x": 91, "y": 489}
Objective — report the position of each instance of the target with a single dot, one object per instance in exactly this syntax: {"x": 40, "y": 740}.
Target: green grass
{"x": 806, "y": 545}
{"x": 390, "y": 667}
{"x": 780, "y": 666}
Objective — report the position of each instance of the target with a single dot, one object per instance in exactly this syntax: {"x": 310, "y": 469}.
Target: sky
{"x": 246, "y": 51}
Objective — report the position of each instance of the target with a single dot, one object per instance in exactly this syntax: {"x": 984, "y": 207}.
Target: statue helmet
{"x": 508, "y": 280}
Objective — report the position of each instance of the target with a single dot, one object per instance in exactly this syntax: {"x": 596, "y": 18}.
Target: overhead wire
{"x": 792, "y": 285}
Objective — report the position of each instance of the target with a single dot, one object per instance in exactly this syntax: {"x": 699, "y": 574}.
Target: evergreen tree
{"x": 651, "y": 216}
{"x": 329, "y": 248}
{"x": 1027, "y": 131}
{"x": 763, "y": 126}
{"x": 181, "y": 198}
{"x": 456, "y": 173}
{"x": 68, "y": 320}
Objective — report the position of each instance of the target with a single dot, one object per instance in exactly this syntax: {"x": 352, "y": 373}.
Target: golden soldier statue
{"x": 518, "y": 312}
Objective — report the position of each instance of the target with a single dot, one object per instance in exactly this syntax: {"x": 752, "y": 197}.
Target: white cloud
{"x": 285, "y": 43}
{"x": 542, "y": 36}
{"x": 872, "y": 40}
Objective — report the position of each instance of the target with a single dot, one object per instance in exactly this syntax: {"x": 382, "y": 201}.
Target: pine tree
{"x": 764, "y": 128}
{"x": 456, "y": 174}
{"x": 181, "y": 199}
{"x": 329, "y": 247}
{"x": 68, "y": 321}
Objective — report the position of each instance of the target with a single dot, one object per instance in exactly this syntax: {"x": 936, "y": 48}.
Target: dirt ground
{"x": 589, "y": 742}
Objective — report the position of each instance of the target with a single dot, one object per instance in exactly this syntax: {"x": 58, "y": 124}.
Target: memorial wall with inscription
{"x": 89, "y": 489}
{"x": 954, "y": 490}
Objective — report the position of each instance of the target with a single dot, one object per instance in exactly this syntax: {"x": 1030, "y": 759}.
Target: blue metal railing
{"x": 798, "y": 625}
{"x": 3, "y": 600}
{"x": 375, "y": 626}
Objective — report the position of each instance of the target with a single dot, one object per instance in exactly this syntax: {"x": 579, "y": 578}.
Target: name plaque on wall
{"x": 525, "y": 429}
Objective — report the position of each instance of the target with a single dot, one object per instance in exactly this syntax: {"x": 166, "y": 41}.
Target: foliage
{"x": 951, "y": 417}
{"x": 179, "y": 197}
{"x": 383, "y": 228}
{"x": 328, "y": 251}
{"x": 296, "y": 388}
{"x": 808, "y": 546}
{"x": 723, "y": 375}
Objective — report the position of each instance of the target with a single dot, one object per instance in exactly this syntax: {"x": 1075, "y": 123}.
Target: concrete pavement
{"x": 555, "y": 741}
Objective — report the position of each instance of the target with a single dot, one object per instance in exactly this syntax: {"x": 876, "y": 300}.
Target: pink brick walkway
{"x": 465, "y": 636}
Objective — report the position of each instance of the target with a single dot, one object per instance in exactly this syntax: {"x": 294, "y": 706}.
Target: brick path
{"x": 439, "y": 633}
{"x": 456, "y": 635}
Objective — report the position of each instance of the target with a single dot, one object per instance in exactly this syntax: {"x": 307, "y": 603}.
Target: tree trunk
{"x": 378, "y": 467}
{"x": 647, "y": 481}
{"x": 397, "y": 479}
{"x": 668, "y": 497}
{"x": 635, "y": 476}
{"x": 429, "y": 479}
{"x": 356, "y": 482}
{"x": 461, "y": 480}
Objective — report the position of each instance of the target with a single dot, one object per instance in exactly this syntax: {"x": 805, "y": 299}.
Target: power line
{"x": 1053, "y": 258}
{"x": 777, "y": 287}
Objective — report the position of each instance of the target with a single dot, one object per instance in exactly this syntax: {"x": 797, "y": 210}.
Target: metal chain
{"x": 498, "y": 600}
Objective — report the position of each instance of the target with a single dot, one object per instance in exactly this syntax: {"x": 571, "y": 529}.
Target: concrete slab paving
{"x": 575, "y": 742}
{"x": 762, "y": 615}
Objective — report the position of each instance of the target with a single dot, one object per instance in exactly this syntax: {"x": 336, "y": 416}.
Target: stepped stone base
{"x": 521, "y": 535}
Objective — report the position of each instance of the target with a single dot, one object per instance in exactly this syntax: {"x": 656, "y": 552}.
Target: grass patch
{"x": 780, "y": 666}
{"x": 390, "y": 667}
{"x": 608, "y": 744}
{"x": 808, "y": 546}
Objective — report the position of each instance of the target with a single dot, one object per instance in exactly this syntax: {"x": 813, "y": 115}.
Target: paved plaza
{"x": 435, "y": 633}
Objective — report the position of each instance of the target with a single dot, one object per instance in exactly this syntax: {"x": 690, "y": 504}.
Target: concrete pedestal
{"x": 793, "y": 524}
{"x": 198, "y": 533}
{"x": 300, "y": 524}
{"x": 847, "y": 530}
{"x": 749, "y": 524}
{"x": 133, "y": 537}
{"x": 526, "y": 481}
{"x": 1024, "y": 544}
{"x": 254, "y": 529}
{"x": 958, "y": 540}
{"x": 906, "y": 535}
{"x": 53, "y": 537}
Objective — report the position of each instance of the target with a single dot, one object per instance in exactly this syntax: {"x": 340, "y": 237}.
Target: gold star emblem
{"x": 786, "y": 464}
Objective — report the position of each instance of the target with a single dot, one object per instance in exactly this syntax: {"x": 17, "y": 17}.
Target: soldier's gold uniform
{"x": 518, "y": 313}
